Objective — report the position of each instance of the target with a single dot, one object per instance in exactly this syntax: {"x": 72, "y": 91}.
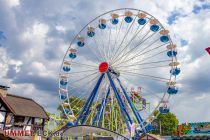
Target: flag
{"x": 208, "y": 50}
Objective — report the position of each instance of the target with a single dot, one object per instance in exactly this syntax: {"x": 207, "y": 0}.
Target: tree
{"x": 76, "y": 105}
{"x": 112, "y": 118}
{"x": 168, "y": 124}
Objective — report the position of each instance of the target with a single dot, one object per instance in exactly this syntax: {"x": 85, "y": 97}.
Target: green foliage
{"x": 186, "y": 129}
{"x": 168, "y": 123}
{"x": 112, "y": 118}
{"x": 76, "y": 105}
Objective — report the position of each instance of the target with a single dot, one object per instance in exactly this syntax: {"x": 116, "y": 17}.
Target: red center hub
{"x": 103, "y": 67}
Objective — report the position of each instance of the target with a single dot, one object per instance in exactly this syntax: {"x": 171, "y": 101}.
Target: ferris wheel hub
{"x": 103, "y": 67}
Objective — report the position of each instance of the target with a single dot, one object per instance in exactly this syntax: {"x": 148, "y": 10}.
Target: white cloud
{"x": 60, "y": 28}
{"x": 40, "y": 34}
{"x": 203, "y": 96}
{"x": 37, "y": 32}
{"x": 13, "y": 3}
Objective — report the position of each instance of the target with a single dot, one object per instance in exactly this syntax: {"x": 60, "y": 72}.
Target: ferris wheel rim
{"x": 105, "y": 14}
{"x": 100, "y": 16}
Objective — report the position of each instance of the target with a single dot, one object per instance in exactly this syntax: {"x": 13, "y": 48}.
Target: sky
{"x": 35, "y": 34}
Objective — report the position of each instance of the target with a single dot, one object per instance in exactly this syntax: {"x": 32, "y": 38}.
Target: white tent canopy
{"x": 83, "y": 130}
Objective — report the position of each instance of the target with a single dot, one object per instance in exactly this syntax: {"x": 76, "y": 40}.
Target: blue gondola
{"x": 62, "y": 97}
{"x": 172, "y": 90}
{"x": 154, "y": 28}
{"x": 80, "y": 43}
{"x": 172, "y": 53}
{"x": 66, "y": 110}
{"x": 141, "y": 21}
{"x": 102, "y": 26}
{"x": 164, "y": 38}
{"x": 72, "y": 55}
{"x": 90, "y": 33}
{"x": 164, "y": 110}
{"x": 66, "y": 68}
{"x": 175, "y": 71}
{"x": 128, "y": 19}
{"x": 63, "y": 82}
{"x": 114, "y": 21}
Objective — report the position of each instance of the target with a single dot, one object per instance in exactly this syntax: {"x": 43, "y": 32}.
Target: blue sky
{"x": 34, "y": 35}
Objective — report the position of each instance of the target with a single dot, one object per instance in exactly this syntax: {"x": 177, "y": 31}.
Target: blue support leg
{"x": 103, "y": 105}
{"x": 125, "y": 114}
{"x": 137, "y": 115}
{"x": 102, "y": 112}
{"x": 85, "y": 110}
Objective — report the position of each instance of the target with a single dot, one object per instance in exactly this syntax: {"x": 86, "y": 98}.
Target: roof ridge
{"x": 10, "y": 104}
{"x": 18, "y": 96}
{"x": 7, "y": 104}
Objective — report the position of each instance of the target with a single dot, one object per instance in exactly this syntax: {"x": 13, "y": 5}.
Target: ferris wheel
{"x": 119, "y": 70}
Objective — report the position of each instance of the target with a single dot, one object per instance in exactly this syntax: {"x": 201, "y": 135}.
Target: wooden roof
{"x": 21, "y": 106}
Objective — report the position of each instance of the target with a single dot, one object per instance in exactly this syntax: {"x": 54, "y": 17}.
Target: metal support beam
{"x": 100, "y": 109}
{"x": 137, "y": 115}
{"x": 103, "y": 107}
{"x": 125, "y": 114}
{"x": 86, "y": 108}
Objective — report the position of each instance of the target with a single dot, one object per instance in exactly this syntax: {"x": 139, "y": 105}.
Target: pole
{"x": 125, "y": 114}
{"x": 137, "y": 115}
{"x": 160, "y": 128}
{"x": 86, "y": 108}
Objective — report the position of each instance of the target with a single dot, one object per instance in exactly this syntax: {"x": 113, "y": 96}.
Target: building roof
{"x": 21, "y": 106}
{"x": 150, "y": 137}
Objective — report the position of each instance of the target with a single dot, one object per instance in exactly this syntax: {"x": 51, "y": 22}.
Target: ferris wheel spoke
{"x": 82, "y": 64}
{"x": 78, "y": 75}
{"x": 102, "y": 55}
{"x": 142, "y": 53}
{"x": 126, "y": 34}
{"x": 144, "y": 59}
{"x": 108, "y": 50}
{"x": 86, "y": 84}
{"x": 134, "y": 36}
{"x": 103, "y": 47}
{"x": 96, "y": 51}
{"x": 128, "y": 45}
{"x": 116, "y": 38}
{"x": 85, "y": 77}
{"x": 146, "y": 76}
{"x": 85, "y": 71}
{"x": 152, "y": 56}
{"x": 135, "y": 55}
{"x": 148, "y": 63}
{"x": 141, "y": 42}
{"x": 99, "y": 59}
{"x": 162, "y": 66}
